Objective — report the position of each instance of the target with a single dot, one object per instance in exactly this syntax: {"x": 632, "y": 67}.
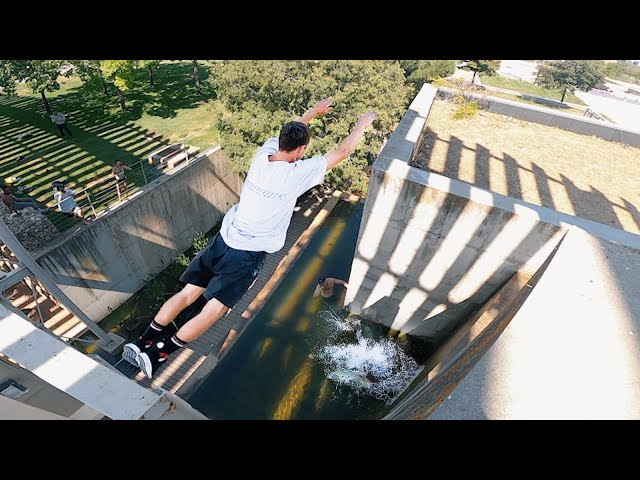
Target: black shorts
{"x": 225, "y": 272}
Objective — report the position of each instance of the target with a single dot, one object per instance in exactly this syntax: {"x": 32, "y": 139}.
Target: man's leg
{"x": 20, "y": 204}
{"x": 59, "y": 127}
{"x": 167, "y": 313}
{"x": 155, "y": 356}
{"x": 64, "y": 125}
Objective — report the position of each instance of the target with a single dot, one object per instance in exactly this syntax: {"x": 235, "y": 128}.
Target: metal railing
{"x": 101, "y": 195}
{"x": 591, "y": 114}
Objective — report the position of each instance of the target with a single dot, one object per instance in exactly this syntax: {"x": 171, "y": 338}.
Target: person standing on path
{"x": 60, "y": 121}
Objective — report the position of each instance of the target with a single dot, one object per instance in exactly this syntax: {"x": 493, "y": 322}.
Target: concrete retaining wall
{"x": 432, "y": 249}
{"x": 544, "y": 116}
{"x": 106, "y": 262}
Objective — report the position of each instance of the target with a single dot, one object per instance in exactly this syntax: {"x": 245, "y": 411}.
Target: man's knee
{"x": 189, "y": 294}
{"x": 215, "y": 308}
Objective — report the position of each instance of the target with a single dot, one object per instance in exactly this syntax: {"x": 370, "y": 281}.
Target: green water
{"x": 273, "y": 371}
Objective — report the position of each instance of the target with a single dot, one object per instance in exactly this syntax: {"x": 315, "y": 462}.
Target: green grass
{"x": 103, "y": 133}
{"x": 531, "y": 89}
{"x": 516, "y": 98}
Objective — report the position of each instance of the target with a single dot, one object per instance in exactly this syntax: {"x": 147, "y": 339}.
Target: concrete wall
{"x": 544, "y": 116}
{"x": 104, "y": 263}
{"x": 432, "y": 249}
{"x": 99, "y": 388}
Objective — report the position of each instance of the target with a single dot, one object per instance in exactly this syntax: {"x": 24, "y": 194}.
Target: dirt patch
{"x": 571, "y": 173}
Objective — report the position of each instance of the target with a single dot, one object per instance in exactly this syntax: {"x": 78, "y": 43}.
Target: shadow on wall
{"x": 428, "y": 259}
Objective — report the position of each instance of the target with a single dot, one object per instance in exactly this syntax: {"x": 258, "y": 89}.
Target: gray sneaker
{"x": 130, "y": 353}
{"x": 145, "y": 365}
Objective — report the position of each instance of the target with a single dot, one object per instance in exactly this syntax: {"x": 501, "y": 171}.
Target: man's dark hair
{"x": 321, "y": 280}
{"x": 60, "y": 187}
{"x": 293, "y": 135}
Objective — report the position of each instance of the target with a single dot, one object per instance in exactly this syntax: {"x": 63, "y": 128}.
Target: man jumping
{"x": 253, "y": 227}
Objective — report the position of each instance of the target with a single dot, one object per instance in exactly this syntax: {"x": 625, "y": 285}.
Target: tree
{"x": 8, "y": 77}
{"x": 90, "y": 73}
{"x": 122, "y": 74}
{"x": 606, "y": 69}
{"x": 150, "y": 65}
{"x": 631, "y": 73}
{"x": 256, "y": 97}
{"x": 486, "y": 67}
{"x": 196, "y": 77}
{"x": 568, "y": 76}
{"x": 40, "y": 75}
{"x": 421, "y": 71}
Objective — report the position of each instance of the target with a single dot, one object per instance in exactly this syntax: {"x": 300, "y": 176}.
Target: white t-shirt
{"x": 58, "y": 118}
{"x": 259, "y": 221}
{"x": 65, "y": 200}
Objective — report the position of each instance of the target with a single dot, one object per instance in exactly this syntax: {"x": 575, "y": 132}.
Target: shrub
{"x": 155, "y": 291}
{"x": 182, "y": 260}
{"x": 199, "y": 242}
{"x": 466, "y": 110}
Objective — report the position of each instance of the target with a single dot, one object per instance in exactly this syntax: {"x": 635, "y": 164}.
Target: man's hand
{"x": 366, "y": 119}
{"x": 323, "y": 107}
{"x": 320, "y": 108}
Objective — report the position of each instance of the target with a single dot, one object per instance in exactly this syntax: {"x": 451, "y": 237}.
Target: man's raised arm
{"x": 349, "y": 144}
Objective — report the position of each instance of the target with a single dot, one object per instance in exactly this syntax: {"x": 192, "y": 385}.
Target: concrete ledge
{"x": 409, "y": 132}
{"x": 103, "y": 390}
{"x": 399, "y": 169}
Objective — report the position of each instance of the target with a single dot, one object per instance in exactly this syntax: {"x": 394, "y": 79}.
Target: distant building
{"x": 523, "y": 70}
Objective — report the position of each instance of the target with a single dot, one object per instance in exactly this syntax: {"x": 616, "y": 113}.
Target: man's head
{"x": 294, "y": 137}
{"x": 60, "y": 187}
{"x": 118, "y": 163}
{"x": 6, "y": 189}
{"x": 320, "y": 286}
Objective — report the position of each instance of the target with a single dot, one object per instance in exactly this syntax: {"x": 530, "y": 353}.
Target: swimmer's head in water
{"x": 320, "y": 287}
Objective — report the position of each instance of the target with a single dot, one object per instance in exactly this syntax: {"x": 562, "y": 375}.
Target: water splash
{"x": 356, "y": 357}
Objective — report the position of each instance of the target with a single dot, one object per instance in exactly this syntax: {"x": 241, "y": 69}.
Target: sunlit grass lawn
{"x": 571, "y": 110}
{"x": 103, "y": 133}
{"x": 530, "y": 88}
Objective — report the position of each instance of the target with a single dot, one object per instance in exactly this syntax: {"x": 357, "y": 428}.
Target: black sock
{"x": 145, "y": 341}
{"x": 161, "y": 350}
